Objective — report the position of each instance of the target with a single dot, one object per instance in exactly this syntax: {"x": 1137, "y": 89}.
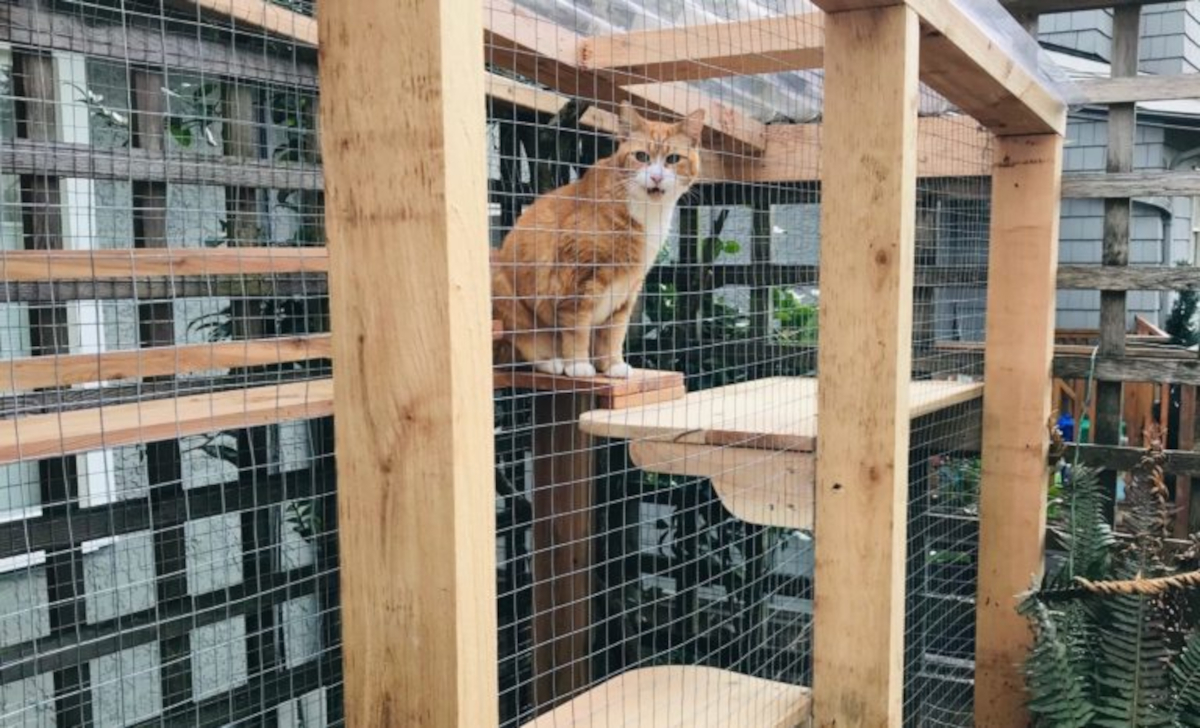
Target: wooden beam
{"x": 694, "y": 52}
{"x": 66, "y": 370}
{"x": 960, "y": 61}
{"x": 414, "y": 431}
{"x": 266, "y": 16}
{"x": 1131, "y": 184}
{"x": 867, "y": 258}
{"x": 1016, "y": 405}
{"x": 1129, "y": 278}
{"x": 1120, "y": 368}
{"x": 297, "y": 284}
{"x": 89, "y": 265}
{"x": 67, "y": 433}
{"x": 1140, "y": 88}
{"x": 1124, "y": 459}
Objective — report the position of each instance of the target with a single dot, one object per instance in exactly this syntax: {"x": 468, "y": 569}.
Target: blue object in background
{"x": 1066, "y": 425}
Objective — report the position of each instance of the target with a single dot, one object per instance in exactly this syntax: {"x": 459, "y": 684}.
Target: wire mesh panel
{"x": 167, "y": 531}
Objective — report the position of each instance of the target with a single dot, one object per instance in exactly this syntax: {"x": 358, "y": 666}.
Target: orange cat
{"x": 569, "y": 273}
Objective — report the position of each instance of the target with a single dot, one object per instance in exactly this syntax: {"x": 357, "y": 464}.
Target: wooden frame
{"x": 414, "y": 432}
{"x": 867, "y": 259}
{"x": 1016, "y": 408}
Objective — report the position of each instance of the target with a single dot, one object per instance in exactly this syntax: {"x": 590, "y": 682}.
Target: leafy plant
{"x": 797, "y": 318}
{"x": 1182, "y": 324}
{"x": 201, "y": 106}
{"x": 1112, "y": 647}
{"x": 303, "y": 518}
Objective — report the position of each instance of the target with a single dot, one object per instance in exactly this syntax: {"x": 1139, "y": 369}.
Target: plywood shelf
{"x": 133, "y": 263}
{"x": 66, "y": 433}
{"x": 756, "y": 441}
{"x": 683, "y": 697}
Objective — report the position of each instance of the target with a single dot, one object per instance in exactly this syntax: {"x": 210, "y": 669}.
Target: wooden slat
{"x": 62, "y": 159}
{"x": 1131, "y": 184}
{"x": 88, "y": 265}
{"x": 1124, "y": 459}
{"x": 406, "y": 212}
{"x": 1128, "y": 278}
{"x": 1130, "y": 369}
{"x": 694, "y": 52}
{"x": 961, "y": 62}
{"x": 265, "y": 16}
{"x": 72, "y": 432}
{"x": 1016, "y": 405}
{"x": 695, "y": 697}
{"x": 1189, "y": 431}
{"x": 62, "y": 371}
{"x": 306, "y": 285}
{"x": 1140, "y": 88}
{"x": 867, "y": 257}
{"x": 648, "y": 386}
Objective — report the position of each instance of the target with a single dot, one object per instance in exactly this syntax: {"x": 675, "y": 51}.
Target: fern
{"x": 1133, "y": 681}
{"x": 1185, "y": 681}
{"x": 1058, "y": 692}
{"x": 1086, "y": 534}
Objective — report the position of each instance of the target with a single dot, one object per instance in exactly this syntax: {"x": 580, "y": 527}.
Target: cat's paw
{"x": 550, "y": 366}
{"x": 620, "y": 370}
{"x": 579, "y": 368}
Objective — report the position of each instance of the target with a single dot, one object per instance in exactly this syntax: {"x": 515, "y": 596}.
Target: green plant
{"x": 199, "y": 107}
{"x": 1113, "y": 645}
{"x": 797, "y": 318}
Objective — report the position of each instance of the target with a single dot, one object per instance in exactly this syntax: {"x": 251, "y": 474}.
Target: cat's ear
{"x": 631, "y": 120}
{"x": 693, "y": 125}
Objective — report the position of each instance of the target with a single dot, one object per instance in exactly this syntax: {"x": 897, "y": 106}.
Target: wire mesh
{"x": 167, "y": 525}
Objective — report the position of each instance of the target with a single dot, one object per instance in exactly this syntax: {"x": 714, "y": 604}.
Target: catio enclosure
{"x": 812, "y": 497}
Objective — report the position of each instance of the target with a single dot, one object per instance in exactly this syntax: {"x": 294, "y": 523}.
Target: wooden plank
{"x": 1130, "y": 369}
{"x": 70, "y": 369}
{"x": 1016, "y": 405}
{"x": 265, "y": 16}
{"x": 694, "y": 52}
{"x": 604, "y": 389}
{"x": 133, "y": 40}
{"x": 765, "y": 488}
{"x": 961, "y": 62}
{"x": 295, "y": 284}
{"x": 67, "y": 433}
{"x": 773, "y": 413}
{"x": 1133, "y": 89}
{"x": 1086, "y": 185}
{"x": 1129, "y": 278}
{"x": 62, "y": 159}
{"x": 867, "y": 259}
{"x": 1189, "y": 438}
{"x": 89, "y": 265}
{"x": 1123, "y": 459}
{"x": 414, "y": 433}
{"x": 696, "y": 697}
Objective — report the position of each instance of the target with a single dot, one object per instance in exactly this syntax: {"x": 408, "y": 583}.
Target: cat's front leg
{"x": 610, "y": 343}
{"x": 576, "y": 338}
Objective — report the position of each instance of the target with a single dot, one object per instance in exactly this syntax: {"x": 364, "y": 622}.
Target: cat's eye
{"x": 642, "y": 157}
{"x": 674, "y": 159}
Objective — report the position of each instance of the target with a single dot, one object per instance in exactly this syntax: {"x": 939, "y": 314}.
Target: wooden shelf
{"x": 755, "y": 441}
{"x": 643, "y": 387}
{"x": 66, "y": 433}
{"x": 683, "y": 697}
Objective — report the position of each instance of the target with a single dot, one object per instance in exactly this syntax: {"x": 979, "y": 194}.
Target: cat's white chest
{"x": 655, "y": 219}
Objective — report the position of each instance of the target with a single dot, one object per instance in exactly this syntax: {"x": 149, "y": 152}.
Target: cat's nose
{"x": 656, "y": 177}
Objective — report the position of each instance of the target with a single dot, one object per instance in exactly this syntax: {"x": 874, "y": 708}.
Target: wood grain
{"x": 406, "y": 212}
{"x": 867, "y": 258}
{"x": 1016, "y": 406}
{"x": 66, "y": 433}
{"x": 1130, "y": 369}
{"x": 1129, "y": 278}
{"x": 88, "y": 265}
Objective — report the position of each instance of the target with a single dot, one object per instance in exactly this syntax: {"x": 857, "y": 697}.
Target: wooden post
{"x": 1016, "y": 407}
{"x": 1117, "y": 213}
{"x": 406, "y": 193}
{"x": 563, "y": 509}
{"x": 865, "y": 362}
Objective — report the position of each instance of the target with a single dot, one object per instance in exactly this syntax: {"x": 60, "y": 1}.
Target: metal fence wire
{"x": 168, "y": 529}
